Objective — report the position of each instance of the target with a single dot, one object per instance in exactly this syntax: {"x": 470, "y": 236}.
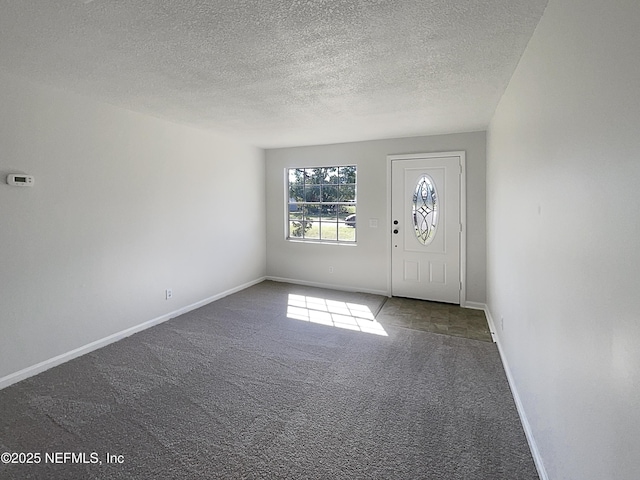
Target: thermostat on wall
{"x": 20, "y": 180}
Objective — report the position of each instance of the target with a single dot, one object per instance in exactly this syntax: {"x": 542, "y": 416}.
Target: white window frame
{"x": 288, "y": 203}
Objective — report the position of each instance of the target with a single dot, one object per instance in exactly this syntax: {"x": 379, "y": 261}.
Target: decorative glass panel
{"x": 425, "y": 210}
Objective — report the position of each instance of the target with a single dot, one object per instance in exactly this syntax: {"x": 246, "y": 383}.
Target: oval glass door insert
{"x": 425, "y": 210}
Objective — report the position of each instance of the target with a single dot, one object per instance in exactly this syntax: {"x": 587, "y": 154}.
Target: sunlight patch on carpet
{"x": 350, "y": 316}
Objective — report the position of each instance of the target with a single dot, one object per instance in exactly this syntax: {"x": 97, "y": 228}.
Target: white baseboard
{"x": 65, "y": 357}
{"x": 330, "y": 286}
{"x": 533, "y": 446}
{"x": 492, "y": 325}
{"x": 483, "y": 307}
{"x": 474, "y": 305}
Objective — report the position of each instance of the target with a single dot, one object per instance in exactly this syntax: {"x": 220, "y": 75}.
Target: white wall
{"x": 365, "y": 267}
{"x": 563, "y": 237}
{"x": 124, "y": 206}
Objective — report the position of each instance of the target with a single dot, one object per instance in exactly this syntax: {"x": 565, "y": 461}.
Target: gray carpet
{"x": 236, "y": 389}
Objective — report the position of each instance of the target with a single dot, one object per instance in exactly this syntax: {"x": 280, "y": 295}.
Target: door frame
{"x": 461, "y": 154}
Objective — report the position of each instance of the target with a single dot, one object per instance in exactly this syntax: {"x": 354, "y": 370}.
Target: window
{"x": 322, "y": 204}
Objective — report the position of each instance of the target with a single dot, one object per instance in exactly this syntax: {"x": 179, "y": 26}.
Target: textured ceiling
{"x": 275, "y": 72}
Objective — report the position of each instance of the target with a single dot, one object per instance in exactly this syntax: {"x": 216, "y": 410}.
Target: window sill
{"x": 322, "y": 242}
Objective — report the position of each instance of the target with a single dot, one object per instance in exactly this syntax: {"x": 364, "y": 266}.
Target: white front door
{"x": 426, "y": 227}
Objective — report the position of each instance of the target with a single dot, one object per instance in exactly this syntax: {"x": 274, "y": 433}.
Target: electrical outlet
{"x": 168, "y": 293}
{"x": 330, "y": 269}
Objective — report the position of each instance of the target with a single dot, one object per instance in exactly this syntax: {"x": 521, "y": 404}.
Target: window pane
{"x": 329, "y": 193}
{"x": 329, "y": 229}
{"x": 346, "y": 232}
{"x": 297, "y": 215}
{"x": 311, "y": 214}
{"x": 295, "y": 229}
{"x": 296, "y": 175}
{"x": 296, "y": 195}
{"x": 325, "y": 175}
{"x": 346, "y": 210}
{"x": 347, "y": 174}
{"x": 313, "y": 230}
{"x": 347, "y": 193}
{"x": 331, "y": 175}
{"x": 312, "y": 210}
{"x": 296, "y": 184}
{"x": 312, "y": 193}
{"x": 330, "y": 212}
{"x": 314, "y": 176}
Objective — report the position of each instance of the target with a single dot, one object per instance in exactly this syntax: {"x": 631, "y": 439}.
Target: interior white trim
{"x": 484, "y": 308}
{"x": 533, "y": 446}
{"x": 331, "y": 286}
{"x": 65, "y": 357}
{"x": 474, "y": 305}
{"x": 492, "y": 325}
{"x": 463, "y": 213}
